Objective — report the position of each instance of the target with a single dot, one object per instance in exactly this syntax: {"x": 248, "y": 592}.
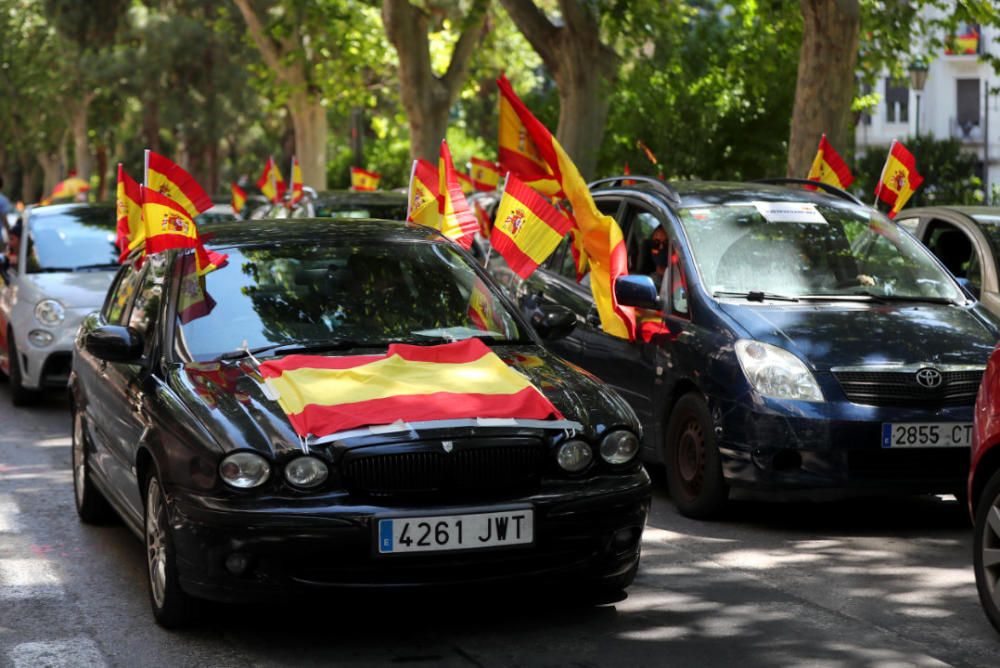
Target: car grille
{"x": 900, "y": 388}
{"x": 507, "y": 464}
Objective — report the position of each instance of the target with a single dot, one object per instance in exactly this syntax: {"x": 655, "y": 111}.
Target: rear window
{"x": 75, "y": 240}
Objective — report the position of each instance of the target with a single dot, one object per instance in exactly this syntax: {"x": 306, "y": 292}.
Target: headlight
{"x": 49, "y": 312}
{"x": 306, "y": 471}
{"x": 619, "y": 447}
{"x": 775, "y": 372}
{"x": 574, "y": 456}
{"x": 244, "y": 470}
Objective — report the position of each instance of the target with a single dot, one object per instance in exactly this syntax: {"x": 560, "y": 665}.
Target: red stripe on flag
{"x": 518, "y": 261}
{"x": 458, "y": 352}
{"x": 274, "y": 368}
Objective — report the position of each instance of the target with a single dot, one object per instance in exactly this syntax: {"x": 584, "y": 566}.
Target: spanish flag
{"x": 169, "y": 226}
{"x": 458, "y": 223}
{"x": 193, "y": 302}
{"x": 270, "y": 182}
{"x": 423, "y": 195}
{"x": 130, "y": 231}
{"x": 483, "y": 216}
{"x": 296, "y": 176}
{"x": 485, "y": 174}
{"x": 899, "y": 178}
{"x": 465, "y": 181}
{"x": 601, "y": 237}
{"x": 527, "y": 228}
{"x": 481, "y": 310}
{"x": 325, "y": 395}
{"x": 829, "y": 167}
{"x": 518, "y": 150}
{"x": 362, "y": 179}
{"x": 171, "y": 180}
{"x": 239, "y": 198}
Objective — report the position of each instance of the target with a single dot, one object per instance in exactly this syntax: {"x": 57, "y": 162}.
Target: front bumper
{"x": 294, "y": 546}
{"x": 833, "y": 446}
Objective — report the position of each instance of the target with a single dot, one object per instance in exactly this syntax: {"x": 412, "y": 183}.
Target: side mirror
{"x": 553, "y": 321}
{"x": 638, "y": 291}
{"x": 967, "y": 286}
{"x": 113, "y": 343}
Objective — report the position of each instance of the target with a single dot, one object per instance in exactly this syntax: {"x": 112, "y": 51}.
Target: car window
{"x": 116, "y": 308}
{"x": 149, "y": 295}
{"x": 678, "y": 284}
{"x": 81, "y": 238}
{"x": 638, "y": 240}
{"x": 955, "y": 249}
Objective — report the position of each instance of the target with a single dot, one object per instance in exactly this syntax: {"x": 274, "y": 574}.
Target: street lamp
{"x": 918, "y": 77}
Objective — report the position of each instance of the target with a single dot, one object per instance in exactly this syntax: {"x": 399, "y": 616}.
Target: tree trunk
{"x": 51, "y": 170}
{"x": 29, "y": 180}
{"x": 102, "y": 172}
{"x": 81, "y": 143}
{"x": 825, "y": 85}
{"x": 151, "y": 124}
{"x": 428, "y": 121}
{"x": 309, "y": 121}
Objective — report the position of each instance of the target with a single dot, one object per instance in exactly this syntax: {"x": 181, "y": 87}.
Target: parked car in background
{"x": 221, "y": 212}
{"x": 173, "y": 428}
{"x": 57, "y": 266}
{"x": 797, "y": 340}
{"x": 967, "y": 241}
{"x": 385, "y": 205}
{"x": 984, "y": 491}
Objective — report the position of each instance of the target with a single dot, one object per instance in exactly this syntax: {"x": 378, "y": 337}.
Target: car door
{"x": 963, "y": 249}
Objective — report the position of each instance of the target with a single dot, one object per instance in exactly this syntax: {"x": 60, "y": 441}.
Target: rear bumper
{"x": 592, "y": 534}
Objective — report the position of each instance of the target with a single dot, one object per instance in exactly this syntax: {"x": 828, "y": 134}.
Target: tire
{"x": 986, "y": 549}
{"x": 91, "y": 505}
{"x": 694, "y": 470}
{"x": 19, "y": 394}
{"x": 172, "y": 608}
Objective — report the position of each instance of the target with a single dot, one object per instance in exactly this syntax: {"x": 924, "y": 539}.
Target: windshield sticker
{"x": 790, "y": 212}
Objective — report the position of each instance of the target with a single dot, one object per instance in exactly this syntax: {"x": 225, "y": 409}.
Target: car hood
{"x": 228, "y": 399}
{"x": 831, "y": 335}
{"x": 77, "y": 290}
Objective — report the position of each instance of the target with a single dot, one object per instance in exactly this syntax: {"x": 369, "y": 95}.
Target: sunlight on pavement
{"x": 28, "y": 578}
{"x": 57, "y": 654}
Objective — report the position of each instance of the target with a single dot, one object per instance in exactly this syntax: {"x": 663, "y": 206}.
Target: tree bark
{"x": 102, "y": 171}
{"x": 585, "y": 70}
{"x": 824, "y": 88}
{"x": 426, "y": 96}
{"x": 151, "y": 123}
{"x": 29, "y": 183}
{"x": 304, "y": 105}
{"x": 77, "y": 117}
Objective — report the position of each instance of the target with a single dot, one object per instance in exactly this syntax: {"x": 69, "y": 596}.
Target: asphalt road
{"x": 862, "y": 583}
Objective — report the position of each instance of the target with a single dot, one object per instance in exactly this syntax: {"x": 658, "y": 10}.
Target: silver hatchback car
{"x": 57, "y": 265}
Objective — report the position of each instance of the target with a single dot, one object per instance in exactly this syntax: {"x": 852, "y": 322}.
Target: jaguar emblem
{"x": 447, "y": 446}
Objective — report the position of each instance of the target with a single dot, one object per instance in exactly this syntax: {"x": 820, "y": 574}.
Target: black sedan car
{"x": 174, "y": 429}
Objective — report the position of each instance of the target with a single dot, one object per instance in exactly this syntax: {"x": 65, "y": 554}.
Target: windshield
{"x": 365, "y": 294}
{"x": 797, "y": 249}
{"x": 77, "y": 239}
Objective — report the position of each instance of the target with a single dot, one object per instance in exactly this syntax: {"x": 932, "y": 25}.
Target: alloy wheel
{"x": 156, "y": 549}
{"x": 79, "y": 460}
{"x": 991, "y": 550}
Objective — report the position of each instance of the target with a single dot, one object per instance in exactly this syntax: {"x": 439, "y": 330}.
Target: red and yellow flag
{"x": 829, "y": 167}
{"x": 169, "y": 226}
{"x": 239, "y": 198}
{"x": 485, "y": 174}
{"x": 483, "y": 216}
{"x": 518, "y": 150}
{"x": 325, "y": 395}
{"x": 171, "y": 180}
{"x": 270, "y": 182}
{"x": 602, "y": 238}
{"x": 130, "y": 231}
{"x": 465, "y": 181}
{"x": 296, "y": 176}
{"x": 458, "y": 223}
{"x": 362, "y": 179}
{"x": 193, "y": 302}
{"x": 899, "y": 178}
{"x": 482, "y": 309}
{"x": 423, "y": 196}
{"x": 527, "y": 228}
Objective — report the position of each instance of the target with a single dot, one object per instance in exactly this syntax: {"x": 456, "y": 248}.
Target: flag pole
{"x": 145, "y": 168}
{"x": 881, "y": 178}
{"x": 409, "y": 191}
{"x": 290, "y": 192}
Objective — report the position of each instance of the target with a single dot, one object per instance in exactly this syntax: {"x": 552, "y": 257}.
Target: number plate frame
{"x": 946, "y": 433}
{"x": 380, "y": 522}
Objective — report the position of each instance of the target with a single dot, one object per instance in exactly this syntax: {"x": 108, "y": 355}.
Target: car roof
{"x": 963, "y": 209}
{"x": 265, "y": 231}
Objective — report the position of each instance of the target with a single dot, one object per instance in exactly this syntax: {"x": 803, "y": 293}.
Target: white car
{"x": 56, "y": 268}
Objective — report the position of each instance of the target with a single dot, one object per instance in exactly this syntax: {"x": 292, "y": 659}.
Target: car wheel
{"x": 19, "y": 394}
{"x": 172, "y": 608}
{"x": 694, "y": 472}
{"x": 91, "y": 505}
{"x": 986, "y": 554}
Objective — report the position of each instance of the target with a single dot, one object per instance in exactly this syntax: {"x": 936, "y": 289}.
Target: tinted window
{"x": 387, "y": 211}
{"x": 149, "y": 296}
{"x": 371, "y": 294}
{"x": 120, "y": 298}
{"x": 77, "y": 239}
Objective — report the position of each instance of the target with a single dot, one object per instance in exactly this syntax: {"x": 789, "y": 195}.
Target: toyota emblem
{"x": 929, "y": 377}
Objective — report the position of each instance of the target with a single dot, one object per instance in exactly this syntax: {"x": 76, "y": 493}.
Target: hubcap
{"x": 156, "y": 551}
{"x": 691, "y": 457}
{"x": 79, "y": 459}
{"x": 991, "y": 550}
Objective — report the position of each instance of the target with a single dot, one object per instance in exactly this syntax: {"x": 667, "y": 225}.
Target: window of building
{"x": 897, "y": 101}
{"x": 967, "y": 105}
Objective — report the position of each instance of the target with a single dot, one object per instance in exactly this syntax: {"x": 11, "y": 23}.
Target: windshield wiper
{"x": 756, "y": 296}
{"x": 297, "y": 347}
{"x": 911, "y": 298}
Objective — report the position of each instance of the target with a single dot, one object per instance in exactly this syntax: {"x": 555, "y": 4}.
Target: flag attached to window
{"x": 423, "y": 195}
{"x": 130, "y": 231}
{"x": 899, "y": 179}
{"x": 239, "y": 198}
{"x": 169, "y": 179}
{"x": 169, "y": 226}
{"x": 527, "y": 228}
{"x": 828, "y": 167}
{"x": 296, "y": 176}
{"x": 465, "y": 379}
{"x": 362, "y": 179}
{"x": 458, "y": 223}
{"x": 485, "y": 174}
{"x": 270, "y": 182}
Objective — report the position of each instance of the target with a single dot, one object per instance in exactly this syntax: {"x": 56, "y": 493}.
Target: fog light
{"x": 306, "y": 471}
{"x": 574, "y": 456}
{"x": 237, "y": 563}
{"x": 40, "y": 338}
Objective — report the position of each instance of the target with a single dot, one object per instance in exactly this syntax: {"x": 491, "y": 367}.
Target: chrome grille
{"x": 900, "y": 388}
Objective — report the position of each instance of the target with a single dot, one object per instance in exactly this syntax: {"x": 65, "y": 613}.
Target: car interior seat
{"x": 954, "y": 249}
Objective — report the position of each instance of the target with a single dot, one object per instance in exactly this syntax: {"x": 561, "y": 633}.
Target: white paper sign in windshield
{"x": 790, "y": 212}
